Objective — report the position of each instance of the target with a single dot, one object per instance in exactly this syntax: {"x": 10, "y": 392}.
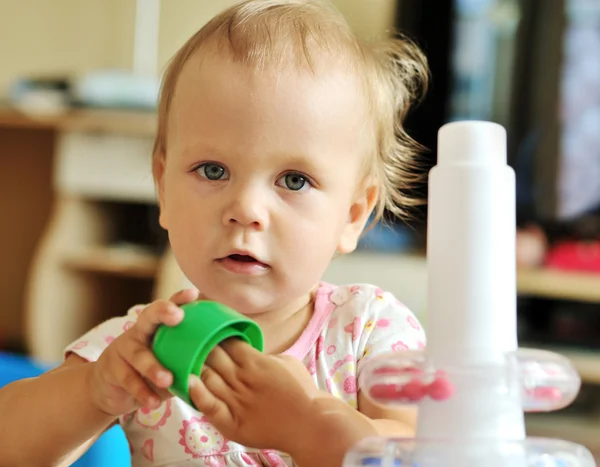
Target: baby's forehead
{"x": 317, "y": 64}
{"x": 224, "y": 109}
{"x": 219, "y": 81}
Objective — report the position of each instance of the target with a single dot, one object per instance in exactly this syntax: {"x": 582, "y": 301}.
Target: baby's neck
{"x": 283, "y": 327}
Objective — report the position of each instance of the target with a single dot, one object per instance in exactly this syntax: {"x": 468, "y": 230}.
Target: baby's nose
{"x": 248, "y": 209}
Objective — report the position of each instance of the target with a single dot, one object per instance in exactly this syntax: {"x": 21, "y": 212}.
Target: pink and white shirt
{"x": 350, "y": 324}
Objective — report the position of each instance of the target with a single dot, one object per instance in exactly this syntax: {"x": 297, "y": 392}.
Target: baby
{"x": 279, "y": 136}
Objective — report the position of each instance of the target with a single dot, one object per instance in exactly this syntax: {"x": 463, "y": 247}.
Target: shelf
{"x": 85, "y": 120}
{"x": 118, "y": 261}
{"x": 405, "y": 275}
{"x": 581, "y": 429}
{"x": 562, "y": 285}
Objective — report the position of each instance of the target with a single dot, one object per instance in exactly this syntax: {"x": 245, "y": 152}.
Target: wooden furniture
{"x": 26, "y": 197}
{"x": 97, "y": 175}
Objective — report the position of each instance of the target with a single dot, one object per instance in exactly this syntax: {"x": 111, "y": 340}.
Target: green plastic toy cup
{"x": 183, "y": 349}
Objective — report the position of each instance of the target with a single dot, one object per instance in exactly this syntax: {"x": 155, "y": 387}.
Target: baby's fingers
{"x": 184, "y": 296}
{"x": 159, "y": 312}
{"x": 139, "y": 357}
{"x": 209, "y": 404}
{"x": 134, "y": 385}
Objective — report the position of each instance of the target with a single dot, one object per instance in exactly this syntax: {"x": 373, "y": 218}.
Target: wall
{"x": 76, "y": 36}
{"x": 57, "y": 36}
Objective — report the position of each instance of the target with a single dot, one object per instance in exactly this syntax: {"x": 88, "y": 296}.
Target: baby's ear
{"x": 158, "y": 172}
{"x": 359, "y": 214}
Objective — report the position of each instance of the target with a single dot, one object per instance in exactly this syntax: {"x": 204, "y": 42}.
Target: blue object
{"x": 111, "y": 449}
{"x": 386, "y": 237}
{"x": 376, "y": 461}
{"x": 117, "y": 89}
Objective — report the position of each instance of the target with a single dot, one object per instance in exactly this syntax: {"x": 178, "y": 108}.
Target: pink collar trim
{"x": 322, "y": 311}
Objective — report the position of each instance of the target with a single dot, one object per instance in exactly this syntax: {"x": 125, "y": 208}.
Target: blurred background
{"x": 80, "y": 241}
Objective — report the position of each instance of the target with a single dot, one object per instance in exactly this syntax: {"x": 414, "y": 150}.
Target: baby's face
{"x": 260, "y": 183}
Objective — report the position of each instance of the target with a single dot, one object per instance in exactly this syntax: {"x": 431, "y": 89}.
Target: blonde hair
{"x": 261, "y": 33}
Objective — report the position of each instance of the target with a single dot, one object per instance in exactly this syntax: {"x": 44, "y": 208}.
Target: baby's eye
{"x": 212, "y": 171}
{"x": 294, "y": 181}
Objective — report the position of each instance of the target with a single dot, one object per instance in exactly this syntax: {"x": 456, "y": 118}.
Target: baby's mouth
{"x": 243, "y": 258}
{"x": 243, "y": 263}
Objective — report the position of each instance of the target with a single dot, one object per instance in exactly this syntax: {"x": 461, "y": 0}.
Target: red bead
{"x": 388, "y": 392}
{"x": 386, "y": 371}
{"x": 414, "y": 390}
{"x": 395, "y": 371}
{"x": 547, "y": 393}
{"x": 440, "y": 389}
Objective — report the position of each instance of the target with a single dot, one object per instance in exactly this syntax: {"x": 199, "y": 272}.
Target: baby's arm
{"x": 388, "y": 421}
{"x": 50, "y": 420}
{"x": 331, "y": 428}
{"x": 390, "y": 327}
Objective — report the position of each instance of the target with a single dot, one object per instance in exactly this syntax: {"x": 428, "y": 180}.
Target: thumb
{"x": 185, "y": 296}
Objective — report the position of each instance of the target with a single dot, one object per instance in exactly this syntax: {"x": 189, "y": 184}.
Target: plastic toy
{"x": 472, "y": 383}
{"x": 184, "y": 348}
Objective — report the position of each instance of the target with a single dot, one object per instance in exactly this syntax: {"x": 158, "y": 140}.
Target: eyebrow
{"x": 298, "y": 160}
{"x": 201, "y": 149}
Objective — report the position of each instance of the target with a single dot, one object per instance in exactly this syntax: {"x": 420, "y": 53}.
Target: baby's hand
{"x": 254, "y": 399}
{"x": 127, "y": 375}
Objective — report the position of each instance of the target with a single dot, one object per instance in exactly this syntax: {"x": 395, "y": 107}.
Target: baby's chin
{"x": 251, "y": 303}
{"x": 257, "y": 298}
